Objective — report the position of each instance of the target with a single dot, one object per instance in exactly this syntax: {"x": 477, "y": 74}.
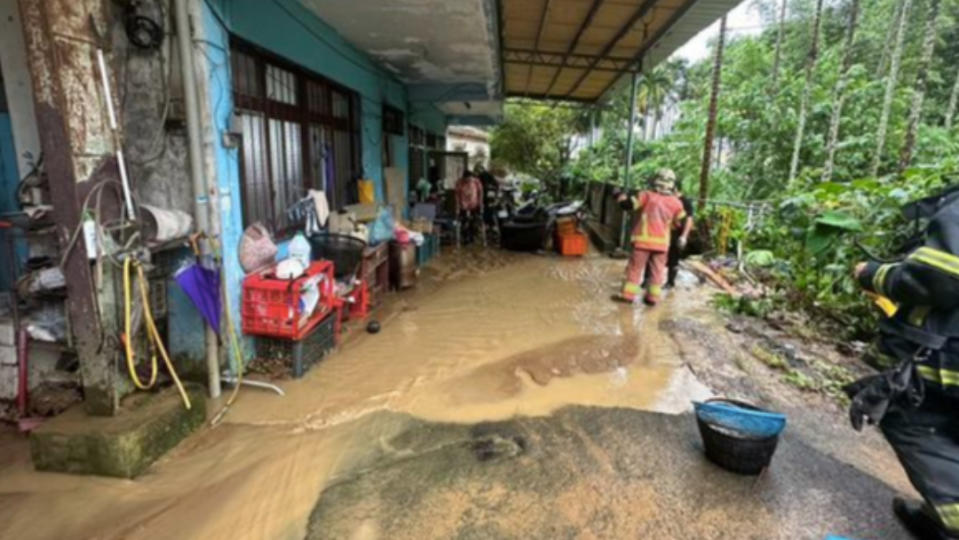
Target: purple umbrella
{"x": 202, "y": 285}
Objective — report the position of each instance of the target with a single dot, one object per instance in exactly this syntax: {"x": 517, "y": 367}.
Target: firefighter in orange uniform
{"x": 659, "y": 211}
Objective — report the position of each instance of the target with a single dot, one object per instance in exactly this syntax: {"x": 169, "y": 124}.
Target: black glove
{"x": 871, "y": 396}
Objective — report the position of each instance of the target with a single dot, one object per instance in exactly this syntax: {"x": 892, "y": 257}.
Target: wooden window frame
{"x": 301, "y": 113}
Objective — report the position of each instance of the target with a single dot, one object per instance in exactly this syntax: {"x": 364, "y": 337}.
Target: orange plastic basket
{"x": 566, "y": 226}
{"x": 572, "y": 245}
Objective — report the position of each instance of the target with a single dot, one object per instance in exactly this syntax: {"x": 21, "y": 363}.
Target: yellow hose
{"x": 128, "y": 337}
{"x": 152, "y": 334}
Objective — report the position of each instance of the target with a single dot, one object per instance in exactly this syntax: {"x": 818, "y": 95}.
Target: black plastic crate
{"x": 302, "y": 354}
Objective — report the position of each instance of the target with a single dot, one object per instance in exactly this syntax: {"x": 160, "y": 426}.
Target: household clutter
{"x": 338, "y": 265}
{"x": 334, "y": 270}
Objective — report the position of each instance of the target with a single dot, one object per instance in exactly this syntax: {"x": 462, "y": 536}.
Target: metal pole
{"x": 629, "y": 134}
{"x": 628, "y": 164}
{"x": 201, "y": 208}
{"x": 592, "y": 125}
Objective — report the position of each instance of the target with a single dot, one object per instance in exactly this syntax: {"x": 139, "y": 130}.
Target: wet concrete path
{"x": 506, "y": 397}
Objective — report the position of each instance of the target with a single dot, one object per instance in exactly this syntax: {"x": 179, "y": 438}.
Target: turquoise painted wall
{"x": 296, "y": 34}
{"x": 9, "y": 179}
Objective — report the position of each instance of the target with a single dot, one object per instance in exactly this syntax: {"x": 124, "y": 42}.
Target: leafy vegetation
{"x": 857, "y": 101}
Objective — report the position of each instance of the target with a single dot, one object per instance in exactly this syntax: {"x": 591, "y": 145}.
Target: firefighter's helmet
{"x": 665, "y": 181}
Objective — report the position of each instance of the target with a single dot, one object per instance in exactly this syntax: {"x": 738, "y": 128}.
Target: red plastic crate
{"x": 271, "y": 306}
{"x": 573, "y": 244}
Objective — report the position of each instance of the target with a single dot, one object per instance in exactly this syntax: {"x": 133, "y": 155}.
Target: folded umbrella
{"x": 202, "y": 286}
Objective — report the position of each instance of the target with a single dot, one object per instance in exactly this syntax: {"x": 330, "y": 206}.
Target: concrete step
{"x": 146, "y": 427}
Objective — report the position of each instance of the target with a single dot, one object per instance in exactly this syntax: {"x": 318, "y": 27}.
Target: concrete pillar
{"x": 78, "y": 153}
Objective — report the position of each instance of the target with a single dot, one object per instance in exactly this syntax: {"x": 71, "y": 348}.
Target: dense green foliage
{"x": 805, "y": 234}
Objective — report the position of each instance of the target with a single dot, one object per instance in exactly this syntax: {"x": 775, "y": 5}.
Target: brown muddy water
{"x": 486, "y": 336}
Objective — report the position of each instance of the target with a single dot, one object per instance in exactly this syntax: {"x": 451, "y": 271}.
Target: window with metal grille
{"x": 392, "y": 120}
{"x": 298, "y": 131}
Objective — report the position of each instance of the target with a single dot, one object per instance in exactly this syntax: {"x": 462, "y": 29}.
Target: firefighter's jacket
{"x": 658, "y": 214}
{"x": 926, "y": 287}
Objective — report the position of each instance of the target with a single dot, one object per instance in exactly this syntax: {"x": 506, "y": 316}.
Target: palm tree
{"x": 779, "y": 43}
{"x": 919, "y": 89}
{"x": 953, "y": 99}
{"x": 839, "y": 92}
{"x": 655, "y": 88}
{"x": 804, "y": 101}
{"x": 891, "y": 80}
{"x": 711, "y": 121}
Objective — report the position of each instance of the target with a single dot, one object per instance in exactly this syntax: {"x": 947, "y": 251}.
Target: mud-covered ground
{"x": 505, "y": 397}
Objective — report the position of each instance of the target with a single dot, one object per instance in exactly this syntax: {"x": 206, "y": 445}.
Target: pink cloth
{"x": 469, "y": 193}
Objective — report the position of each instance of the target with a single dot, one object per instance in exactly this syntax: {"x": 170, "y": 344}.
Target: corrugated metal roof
{"x": 578, "y": 49}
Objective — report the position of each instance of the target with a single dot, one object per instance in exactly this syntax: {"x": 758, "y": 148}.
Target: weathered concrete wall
{"x": 150, "y": 96}
{"x": 154, "y": 139}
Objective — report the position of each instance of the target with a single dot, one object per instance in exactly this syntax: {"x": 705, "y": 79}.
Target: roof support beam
{"x": 663, "y": 30}
{"x": 539, "y": 34}
{"x": 575, "y": 61}
{"x": 640, "y": 12}
{"x": 547, "y": 97}
{"x": 593, "y": 8}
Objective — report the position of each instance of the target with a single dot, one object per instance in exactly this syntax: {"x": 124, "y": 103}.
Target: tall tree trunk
{"x": 779, "y": 44}
{"x": 953, "y": 99}
{"x": 891, "y": 80}
{"x": 804, "y": 100}
{"x": 711, "y": 121}
{"x": 919, "y": 89}
{"x": 839, "y": 92}
{"x": 890, "y": 37}
{"x": 646, "y": 121}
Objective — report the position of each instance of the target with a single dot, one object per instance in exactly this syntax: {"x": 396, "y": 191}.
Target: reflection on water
{"x": 485, "y": 336}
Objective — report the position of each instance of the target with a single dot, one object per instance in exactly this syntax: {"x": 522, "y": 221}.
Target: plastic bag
{"x": 257, "y": 249}
{"x": 382, "y": 228}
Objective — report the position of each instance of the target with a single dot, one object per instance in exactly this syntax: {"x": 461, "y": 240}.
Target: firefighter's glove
{"x": 871, "y": 396}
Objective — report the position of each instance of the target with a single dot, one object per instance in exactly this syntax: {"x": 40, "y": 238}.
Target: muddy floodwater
{"x": 505, "y": 397}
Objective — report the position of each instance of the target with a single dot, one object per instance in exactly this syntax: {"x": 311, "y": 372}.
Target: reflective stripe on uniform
{"x": 879, "y": 278}
{"x": 631, "y": 290}
{"x": 655, "y": 290}
{"x": 949, "y": 514}
{"x": 647, "y": 238}
{"x": 945, "y": 377}
{"x": 918, "y": 314}
{"x": 937, "y": 259}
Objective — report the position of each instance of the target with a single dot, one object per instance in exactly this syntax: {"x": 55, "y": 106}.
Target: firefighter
{"x": 915, "y": 403}
{"x": 679, "y": 239}
{"x": 659, "y": 211}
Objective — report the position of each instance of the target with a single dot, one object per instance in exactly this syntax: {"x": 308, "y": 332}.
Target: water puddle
{"x": 485, "y": 336}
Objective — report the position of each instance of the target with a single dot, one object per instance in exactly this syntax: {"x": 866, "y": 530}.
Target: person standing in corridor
{"x": 659, "y": 211}
{"x": 469, "y": 205}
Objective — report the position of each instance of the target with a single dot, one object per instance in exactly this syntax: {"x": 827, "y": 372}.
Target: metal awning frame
{"x": 602, "y": 62}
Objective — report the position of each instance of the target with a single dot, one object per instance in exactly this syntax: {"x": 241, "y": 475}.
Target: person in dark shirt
{"x": 490, "y": 189}
{"x": 680, "y": 237}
